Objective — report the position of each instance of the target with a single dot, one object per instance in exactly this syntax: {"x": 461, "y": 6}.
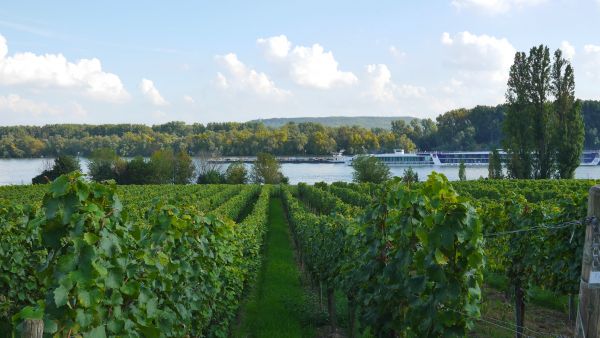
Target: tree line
{"x": 479, "y": 128}
{"x": 165, "y": 167}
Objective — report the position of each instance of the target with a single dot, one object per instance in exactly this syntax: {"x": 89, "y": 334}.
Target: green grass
{"x": 278, "y": 305}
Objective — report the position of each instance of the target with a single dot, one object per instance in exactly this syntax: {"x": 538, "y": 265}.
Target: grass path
{"x": 277, "y": 304}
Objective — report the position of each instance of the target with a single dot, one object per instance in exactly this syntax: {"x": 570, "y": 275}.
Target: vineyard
{"x": 400, "y": 259}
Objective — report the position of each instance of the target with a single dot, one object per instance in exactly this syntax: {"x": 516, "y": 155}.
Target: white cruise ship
{"x": 454, "y": 158}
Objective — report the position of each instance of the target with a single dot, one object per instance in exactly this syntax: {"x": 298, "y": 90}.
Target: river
{"x": 21, "y": 171}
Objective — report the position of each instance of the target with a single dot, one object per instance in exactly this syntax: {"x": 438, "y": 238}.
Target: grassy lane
{"x": 277, "y": 305}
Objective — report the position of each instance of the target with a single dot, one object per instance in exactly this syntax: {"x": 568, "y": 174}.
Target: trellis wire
{"x": 585, "y": 221}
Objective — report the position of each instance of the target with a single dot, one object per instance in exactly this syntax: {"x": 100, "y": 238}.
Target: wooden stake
{"x": 588, "y": 312}
{"x": 33, "y": 328}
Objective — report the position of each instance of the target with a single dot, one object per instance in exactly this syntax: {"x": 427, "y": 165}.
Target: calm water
{"x": 21, "y": 171}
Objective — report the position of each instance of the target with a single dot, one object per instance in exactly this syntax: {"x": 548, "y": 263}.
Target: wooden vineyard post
{"x": 588, "y": 312}
{"x": 33, "y": 328}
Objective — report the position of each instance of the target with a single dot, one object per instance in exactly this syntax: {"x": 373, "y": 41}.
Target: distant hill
{"x": 336, "y": 121}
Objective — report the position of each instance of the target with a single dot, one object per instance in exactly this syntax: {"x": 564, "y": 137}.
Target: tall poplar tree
{"x": 518, "y": 121}
{"x": 569, "y": 131}
{"x": 543, "y": 126}
{"x": 540, "y": 66}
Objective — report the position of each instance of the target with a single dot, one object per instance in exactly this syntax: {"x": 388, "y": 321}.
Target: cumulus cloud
{"x": 16, "y": 104}
{"x": 307, "y": 66}
{"x": 188, "y": 99}
{"x": 240, "y": 77}
{"x": 478, "y": 66}
{"x": 381, "y": 88}
{"x": 151, "y": 93}
{"x": 54, "y": 70}
{"x": 479, "y": 57}
{"x": 567, "y": 49}
{"x": 276, "y": 47}
{"x": 494, "y": 6}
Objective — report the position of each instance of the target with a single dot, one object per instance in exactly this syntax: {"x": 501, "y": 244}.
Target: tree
{"x": 410, "y": 176}
{"x": 236, "y": 173}
{"x": 369, "y": 169}
{"x": 569, "y": 131}
{"x": 518, "y": 122}
{"x": 163, "y": 166}
{"x": 209, "y": 171}
{"x": 266, "y": 169}
{"x": 63, "y": 164}
{"x": 102, "y": 165}
{"x": 495, "y": 166}
{"x": 462, "y": 175}
{"x": 184, "y": 168}
{"x": 543, "y": 138}
{"x": 540, "y": 66}
{"x": 455, "y": 130}
{"x": 137, "y": 171}
{"x": 212, "y": 176}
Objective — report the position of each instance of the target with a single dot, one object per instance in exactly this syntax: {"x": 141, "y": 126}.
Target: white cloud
{"x": 567, "y": 49}
{"x": 446, "y": 39}
{"x": 54, "y": 70}
{"x": 396, "y": 53}
{"x": 188, "y": 99}
{"x": 479, "y": 57}
{"x": 307, "y": 66}
{"x": 240, "y": 77}
{"x": 25, "y": 107}
{"x": 478, "y": 68}
{"x": 276, "y": 47}
{"x": 151, "y": 93}
{"x": 17, "y": 104}
{"x": 381, "y": 88}
{"x": 495, "y": 6}
{"x": 591, "y": 61}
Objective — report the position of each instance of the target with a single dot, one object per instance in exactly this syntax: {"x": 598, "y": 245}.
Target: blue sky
{"x": 156, "y": 61}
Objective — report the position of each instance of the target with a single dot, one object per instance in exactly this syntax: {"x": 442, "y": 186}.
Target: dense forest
{"x": 479, "y": 128}
{"x": 384, "y": 122}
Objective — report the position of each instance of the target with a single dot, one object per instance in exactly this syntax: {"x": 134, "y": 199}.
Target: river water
{"x": 21, "y": 171}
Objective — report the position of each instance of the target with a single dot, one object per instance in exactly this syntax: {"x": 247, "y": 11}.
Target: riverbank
{"x": 21, "y": 171}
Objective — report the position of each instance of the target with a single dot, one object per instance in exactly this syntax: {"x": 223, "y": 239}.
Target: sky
{"x": 211, "y": 61}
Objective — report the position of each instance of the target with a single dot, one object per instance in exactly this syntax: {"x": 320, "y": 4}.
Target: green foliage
{"x": 322, "y": 201}
{"x": 213, "y": 176}
{"x": 410, "y": 176}
{"x": 495, "y": 166}
{"x": 369, "y": 169}
{"x": 385, "y": 247}
{"x": 266, "y": 169}
{"x": 569, "y": 133}
{"x": 63, "y": 164}
{"x": 20, "y": 257}
{"x": 103, "y": 164}
{"x": 462, "y": 175}
{"x": 164, "y": 167}
{"x": 478, "y": 128}
{"x": 236, "y": 173}
{"x": 97, "y": 269}
{"x": 350, "y": 196}
{"x": 421, "y": 254}
{"x": 544, "y": 138}
{"x": 412, "y": 262}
